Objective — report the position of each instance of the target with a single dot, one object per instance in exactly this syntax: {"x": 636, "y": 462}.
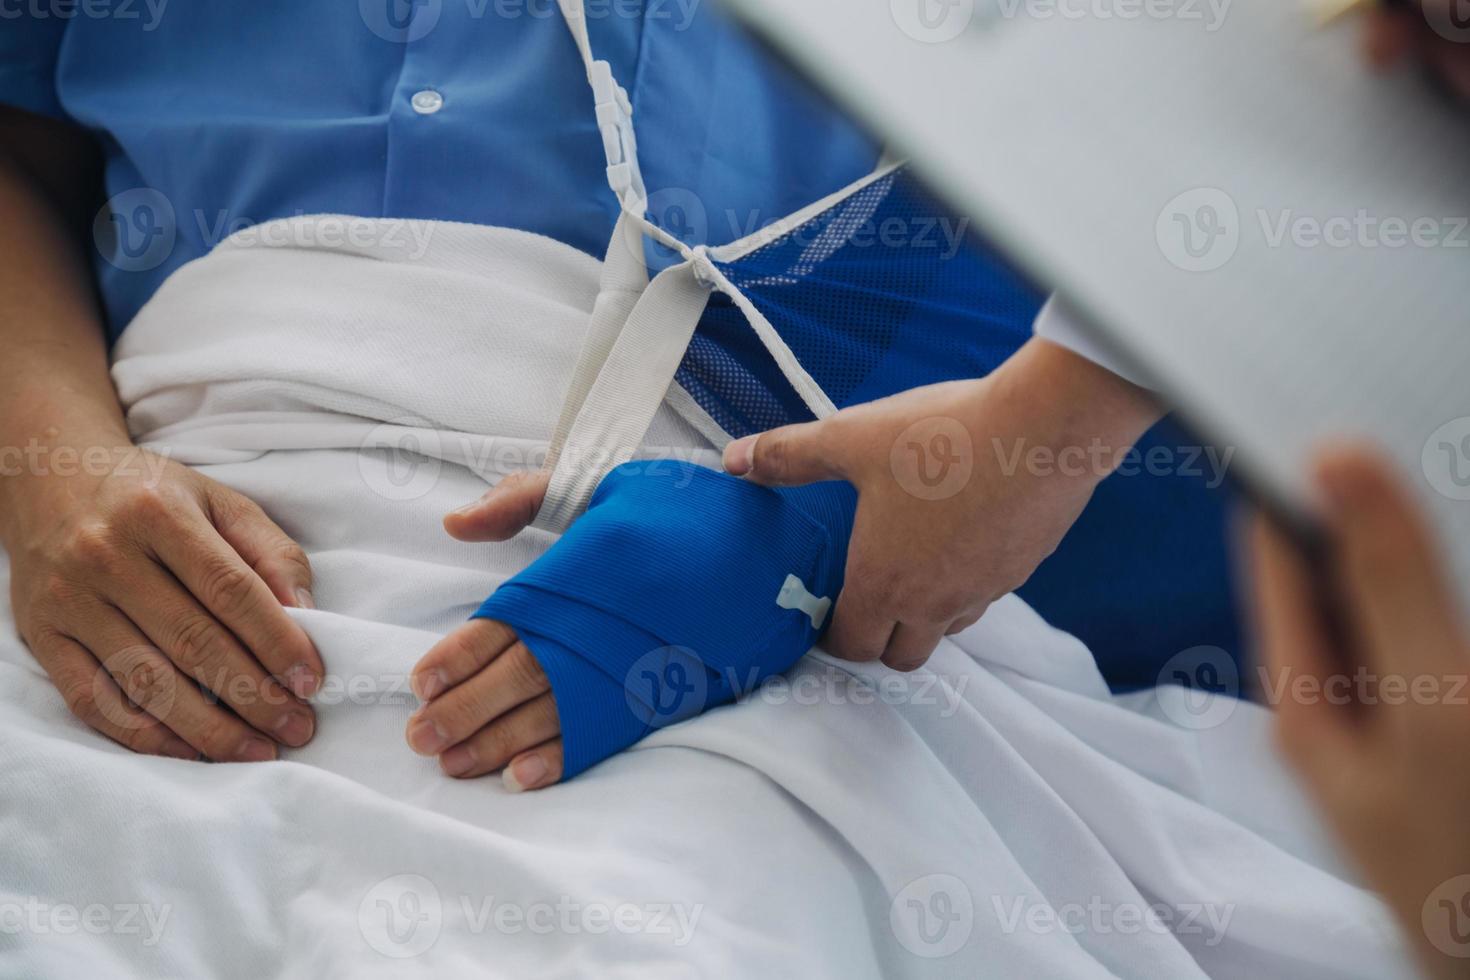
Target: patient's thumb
{"x": 784, "y": 457}
{"x": 503, "y": 511}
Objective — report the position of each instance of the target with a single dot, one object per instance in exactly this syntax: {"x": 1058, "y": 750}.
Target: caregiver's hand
{"x": 132, "y": 585}
{"x": 1388, "y": 770}
{"x": 1430, "y": 31}
{"x": 963, "y": 489}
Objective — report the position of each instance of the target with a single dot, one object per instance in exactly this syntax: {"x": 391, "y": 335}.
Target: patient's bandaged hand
{"x": 679, "y": 589}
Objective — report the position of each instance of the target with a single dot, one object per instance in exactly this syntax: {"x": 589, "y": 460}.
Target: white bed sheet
{"x": 997, "y": 814}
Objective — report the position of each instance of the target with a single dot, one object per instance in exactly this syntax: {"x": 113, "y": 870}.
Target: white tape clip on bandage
{"x": 793, "y": 595}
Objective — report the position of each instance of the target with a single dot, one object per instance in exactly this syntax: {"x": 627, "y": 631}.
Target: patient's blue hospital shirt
{"x": 222, "y": 115}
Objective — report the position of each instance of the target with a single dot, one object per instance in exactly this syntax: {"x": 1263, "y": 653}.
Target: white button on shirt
{"x": 426, "y": 102}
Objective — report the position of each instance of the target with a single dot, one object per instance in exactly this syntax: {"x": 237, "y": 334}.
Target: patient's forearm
{"x": 54, "y": 386}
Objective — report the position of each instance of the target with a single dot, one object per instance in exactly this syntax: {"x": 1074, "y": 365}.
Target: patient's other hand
{"x": 489, "y": 706}
{"x": 954, "y": 509}
{"x": 132, "y": 585}
{"x": 621, "y": 655}
{"x": 1380, "y": 730}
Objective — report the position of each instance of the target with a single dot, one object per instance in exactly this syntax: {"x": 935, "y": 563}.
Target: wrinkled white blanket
{"x": 997, "y": 814}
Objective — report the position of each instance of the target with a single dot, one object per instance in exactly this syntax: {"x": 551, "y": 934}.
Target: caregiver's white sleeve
{"x": 1058, "y": 324}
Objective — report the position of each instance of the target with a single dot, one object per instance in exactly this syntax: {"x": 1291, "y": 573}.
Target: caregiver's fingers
{"x": 510, "y": 680}
{"x": 863, "y": 620}
{"x": 911, "y": 645}
{"x": 859, "y": 631}
{"x": 963, "y": 623}
{"x": 206, "y": 651}
{"x": 219, "y": 578}
{"x": 92, "y": 696}
{"x": 504, "y": 511}
{"x": 503, "y": 739}
{"x": 459, "y": 656}
{"x": 789, "y": 456}
{"x": 1392, "y": 35}
{"x": 1398, "y": 594}
{"x": 1388, "y": 36}
{"x": 1449, "y": 60}
{"x": 1292, "y": 643}
{"x": 539, "y": 767}
{"x": 1441, "y": 45}
{"x": 1287, "y": 625}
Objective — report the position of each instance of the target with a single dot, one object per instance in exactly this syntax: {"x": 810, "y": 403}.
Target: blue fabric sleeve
{"x": 678, "y": 590}
{"x": 29, "y": 43}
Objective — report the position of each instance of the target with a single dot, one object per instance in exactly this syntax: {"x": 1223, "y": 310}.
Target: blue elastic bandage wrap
{"x": 679, "y": 589}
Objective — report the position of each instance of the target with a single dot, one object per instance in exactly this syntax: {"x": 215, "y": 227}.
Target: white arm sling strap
{"x": 640, "y": 329}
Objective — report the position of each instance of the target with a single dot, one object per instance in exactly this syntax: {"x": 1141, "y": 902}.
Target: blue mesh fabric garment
{"x": 880, "y": 293}
{"x": 876, "y": 295}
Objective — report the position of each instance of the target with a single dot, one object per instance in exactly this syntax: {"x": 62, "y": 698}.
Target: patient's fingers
{"x": 511, "y": 679}
{"x": 237, "y": 597}
{"x": 209, "y": 653}
{"x": 94, "y": 698}
{"x": 503, "y": 739}
{"x": 155, "y": 684}
{"x": 459, "y": 656}
{"x": 276, "y": 557}
{"x": 911, "y": 644}
{"x": 503, "y": 511}
{"x": 539, "y": 767}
